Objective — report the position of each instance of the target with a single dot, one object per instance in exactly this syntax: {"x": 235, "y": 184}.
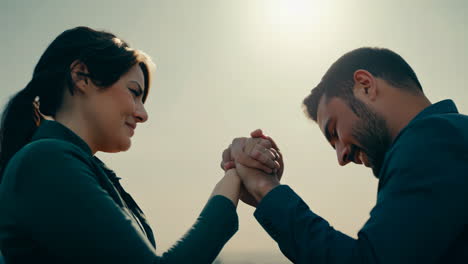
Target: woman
{"x": 61, "y": 204}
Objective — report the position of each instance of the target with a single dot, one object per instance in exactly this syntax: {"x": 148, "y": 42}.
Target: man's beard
{"x": 372, "y": 133}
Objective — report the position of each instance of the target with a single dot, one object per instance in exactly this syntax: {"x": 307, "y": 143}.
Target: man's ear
{"x": 365, "y": 85}
{"x": 80, "y": 76}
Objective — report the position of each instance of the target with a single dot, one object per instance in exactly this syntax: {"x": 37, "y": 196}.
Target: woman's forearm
{"x": 228, "y": 186}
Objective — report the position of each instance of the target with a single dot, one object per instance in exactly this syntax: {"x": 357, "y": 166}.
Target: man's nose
{"x": 342, "y": 153}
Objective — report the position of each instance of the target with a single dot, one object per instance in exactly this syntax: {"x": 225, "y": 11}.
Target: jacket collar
{"x": 55, "y": 130}
{"x": 442, "y": 107}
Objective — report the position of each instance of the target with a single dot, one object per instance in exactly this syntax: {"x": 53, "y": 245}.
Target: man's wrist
{"x": 264, "y": 188}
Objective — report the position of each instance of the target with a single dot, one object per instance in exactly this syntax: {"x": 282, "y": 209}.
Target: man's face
{"x": 360, "y": 136}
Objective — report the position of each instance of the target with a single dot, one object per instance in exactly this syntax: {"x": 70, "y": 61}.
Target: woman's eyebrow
{"x": 138, "y": 84}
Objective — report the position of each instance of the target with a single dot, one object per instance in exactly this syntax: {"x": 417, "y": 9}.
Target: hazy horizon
{"x": 225, "y": 68}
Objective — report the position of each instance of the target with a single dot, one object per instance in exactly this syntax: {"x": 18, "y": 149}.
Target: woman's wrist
{"x": 229, "y": 186}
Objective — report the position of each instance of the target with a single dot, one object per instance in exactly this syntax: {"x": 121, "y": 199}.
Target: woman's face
{"x": 115, "y": 112}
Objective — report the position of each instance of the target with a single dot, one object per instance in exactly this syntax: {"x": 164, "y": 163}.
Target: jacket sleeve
{"x": 419, "y": 214}
{"x": 61, "y": 204}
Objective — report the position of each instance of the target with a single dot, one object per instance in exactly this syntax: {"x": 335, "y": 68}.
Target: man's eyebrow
{"x": 139, "y": 86}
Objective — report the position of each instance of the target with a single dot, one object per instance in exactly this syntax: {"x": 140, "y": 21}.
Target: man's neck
{"x": 403, "y": 109}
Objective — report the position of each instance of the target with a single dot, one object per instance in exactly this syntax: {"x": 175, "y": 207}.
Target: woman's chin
{"x": 126, "y": 146}
{"x": 121, "y": 147}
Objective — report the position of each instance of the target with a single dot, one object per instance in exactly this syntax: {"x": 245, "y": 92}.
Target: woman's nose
{"x": 141, "y": 113}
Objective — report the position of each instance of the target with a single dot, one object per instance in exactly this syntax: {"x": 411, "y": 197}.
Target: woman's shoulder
{"x": 47, "y": 157}
{"x": 49, "y": 148}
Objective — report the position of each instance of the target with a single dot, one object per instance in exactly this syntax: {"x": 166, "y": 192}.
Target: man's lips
{"x": 354, "y": 154}
{"x": 358, "y": 156}
{"x": 363, "y": 159}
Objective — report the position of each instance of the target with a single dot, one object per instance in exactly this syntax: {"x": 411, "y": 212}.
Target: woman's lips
{"x": 132, "y": 128}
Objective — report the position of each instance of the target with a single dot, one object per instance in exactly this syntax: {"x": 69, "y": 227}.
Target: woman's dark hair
{"x": 106, "y": 57}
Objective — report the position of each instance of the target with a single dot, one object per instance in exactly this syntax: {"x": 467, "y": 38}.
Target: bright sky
{"x": 225, "y": 68}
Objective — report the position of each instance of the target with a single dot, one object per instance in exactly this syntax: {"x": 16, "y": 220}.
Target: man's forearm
{"x": 305, "y": 237}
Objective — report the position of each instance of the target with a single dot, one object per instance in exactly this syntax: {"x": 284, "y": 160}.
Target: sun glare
{"x": 295, "y": 13}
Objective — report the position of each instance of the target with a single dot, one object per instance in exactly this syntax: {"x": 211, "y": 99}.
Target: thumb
{"x": 257, "y": 133}
{"x": 229, "y": 165}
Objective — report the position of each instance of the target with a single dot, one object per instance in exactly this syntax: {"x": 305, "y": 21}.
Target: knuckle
{"x": 251, "y": 141}
{"x": 257, "y": 148}
{"x": 271, "y": 153}
{"x": 256, "y": 154}
{"x": 271, "y": 164}
{"x": 260, "y": 165}
{"x": 266, "y": 143}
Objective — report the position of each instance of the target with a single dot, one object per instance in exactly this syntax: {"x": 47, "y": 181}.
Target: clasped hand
{"x": 258, "y": 163}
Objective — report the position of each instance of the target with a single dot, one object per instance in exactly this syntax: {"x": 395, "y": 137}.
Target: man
{"x": 371, "y": 108}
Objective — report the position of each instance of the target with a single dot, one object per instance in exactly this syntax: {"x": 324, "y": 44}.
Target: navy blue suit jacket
{"x": 421, "y": 214}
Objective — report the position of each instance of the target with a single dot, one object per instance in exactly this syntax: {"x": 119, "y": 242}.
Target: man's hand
{"x": 256, "y": 152}
{"x": 260, "y": 152}
{"x": 258, "y": 133}
{"x": 256, "y": 183}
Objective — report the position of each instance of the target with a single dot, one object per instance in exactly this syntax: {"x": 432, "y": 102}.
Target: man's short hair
{"x": 338, "y": 81}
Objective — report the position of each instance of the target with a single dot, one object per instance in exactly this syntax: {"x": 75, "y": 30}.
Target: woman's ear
{"x": 365, "y": 86}
{"x": 80, "y": 76}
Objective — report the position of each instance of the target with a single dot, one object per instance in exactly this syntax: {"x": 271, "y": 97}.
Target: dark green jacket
{"x": 60, "y": 204}
{"x": 421, "y": 214}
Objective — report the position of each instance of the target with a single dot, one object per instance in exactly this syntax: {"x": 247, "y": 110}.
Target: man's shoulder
{"x": 451, "y": 127}
{"x": 429, "y": 147}
{"x": 444, "y": 120}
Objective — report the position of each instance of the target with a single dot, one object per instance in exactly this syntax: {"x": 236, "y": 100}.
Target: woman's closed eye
{"x": 135, "y": 92}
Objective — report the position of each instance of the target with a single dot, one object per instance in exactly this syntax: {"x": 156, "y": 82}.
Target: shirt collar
{"x": 55, "y": 130}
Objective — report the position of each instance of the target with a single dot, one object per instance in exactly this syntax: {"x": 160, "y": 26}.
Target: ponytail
{"x": 106, "y": 57}
{"x": 20, "y": 120}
